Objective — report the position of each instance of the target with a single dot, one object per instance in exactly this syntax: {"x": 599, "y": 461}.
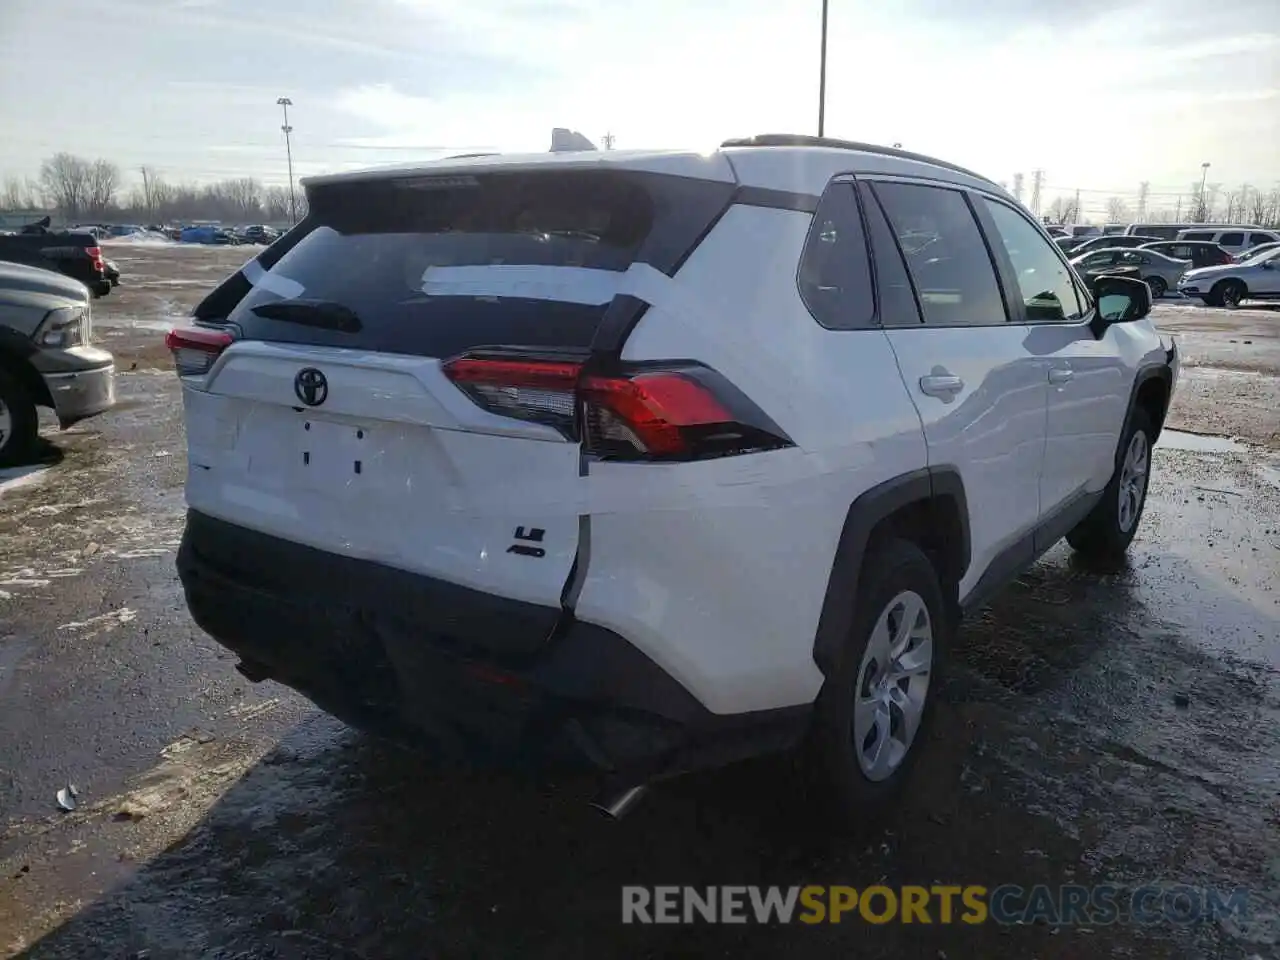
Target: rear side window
{"x": 898, "y": 306}
{"x": 945, "y": 254}
{"x": 1199, "y": 235}
{"x": 382, "y": 249}
{"x": 1044, "y": 281}
{"x": 1232, "y": 239}
{"x": 835, "y": 273}
{"x": 1257, "y": 238}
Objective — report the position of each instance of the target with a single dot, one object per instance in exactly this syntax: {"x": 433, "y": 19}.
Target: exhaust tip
{"x": 615, "y": 806}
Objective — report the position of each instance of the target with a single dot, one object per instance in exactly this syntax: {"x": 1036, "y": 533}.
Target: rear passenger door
{"x": 980, "y": 394}
{"x": 1087, "y": 381}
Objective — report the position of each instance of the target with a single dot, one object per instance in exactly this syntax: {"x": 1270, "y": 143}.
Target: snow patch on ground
{"x": 15, "y": 478}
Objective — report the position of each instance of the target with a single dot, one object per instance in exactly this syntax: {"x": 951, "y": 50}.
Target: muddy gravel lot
{"x": 1099, "y": 727}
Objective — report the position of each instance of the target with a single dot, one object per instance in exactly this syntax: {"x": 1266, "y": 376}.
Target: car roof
{"x": 783, "y": 162}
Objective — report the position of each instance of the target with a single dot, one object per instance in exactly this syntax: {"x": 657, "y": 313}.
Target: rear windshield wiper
{"x": 327, "y": 314}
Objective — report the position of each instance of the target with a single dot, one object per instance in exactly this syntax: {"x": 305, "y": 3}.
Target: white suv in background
{"x": 644, "y": 462}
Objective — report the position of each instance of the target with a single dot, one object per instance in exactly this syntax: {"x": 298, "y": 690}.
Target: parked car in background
{"x": 1055, "y": 231}
{"x": 1201, "y": 253}
{"x": 47, "y": 356}
{"x": 1163, "y": 231}
{"x": 1159, "y": 272}
{"x": 77, "y": 255}
{"x": 1066, "y": 243}
{"x": 1113, "y": 229}
{"x": 1233, "y": 239}
{"x": 1249, "y": 254}
{"x": 259, "y": 233}
{"x": 219, "y": 236}
{"x": 1256, "y": 278}
{"x": 1083, "y": 230}
{"x": 1109, "y": 242}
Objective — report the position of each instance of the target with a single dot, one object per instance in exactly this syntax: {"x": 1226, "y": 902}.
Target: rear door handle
{"x": 1060, "y": 374}
{"x": 944, "y": 386}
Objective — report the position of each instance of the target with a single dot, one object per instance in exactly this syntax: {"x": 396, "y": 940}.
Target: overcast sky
{"x": 1101, "y": 94}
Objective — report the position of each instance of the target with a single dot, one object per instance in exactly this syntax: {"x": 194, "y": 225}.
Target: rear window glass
{"x": 1257, "y": 238}
{"x": 1232, "y": 239}
{"x": 372, "y": 246}
{"x": 1199, "y": 235}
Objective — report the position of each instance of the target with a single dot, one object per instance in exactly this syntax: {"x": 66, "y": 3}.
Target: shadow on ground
{"x": 336, "y": 845}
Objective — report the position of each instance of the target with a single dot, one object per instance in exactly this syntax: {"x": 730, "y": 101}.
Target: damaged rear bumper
{"x": 446, "y": 669}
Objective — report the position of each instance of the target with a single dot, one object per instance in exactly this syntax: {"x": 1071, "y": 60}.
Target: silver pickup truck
{"x": 46, "y": 356}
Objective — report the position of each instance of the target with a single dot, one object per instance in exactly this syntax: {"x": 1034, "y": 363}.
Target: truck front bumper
{"x": 80, "y": 394}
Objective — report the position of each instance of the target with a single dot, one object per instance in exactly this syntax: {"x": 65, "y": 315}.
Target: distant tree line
{"x": 1214, "y": 205}
{"x": 81, "y": 190}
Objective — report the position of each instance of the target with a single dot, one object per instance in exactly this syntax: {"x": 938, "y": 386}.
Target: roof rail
{"x": 801, "y": 140}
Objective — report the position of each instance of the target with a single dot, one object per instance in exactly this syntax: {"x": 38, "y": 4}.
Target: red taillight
{"x": 95, "y": 254}
{"x": 683, "y": 412}
{"x": 195, "y": 348}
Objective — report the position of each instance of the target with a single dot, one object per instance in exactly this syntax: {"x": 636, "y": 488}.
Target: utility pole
{"x": 822, "y": 76}
{"x": 1077, "y": 217}
{"x": 1017, "y": 187}
{"x": 285, "y": 103}
{"x": 1143, "y": 189}
{"x": 1204, "y": 174}
{"x": 1177, "y": 212}
{"x": 146, "y": 192}
{"x": 607, "y": 140}
{"x": 1037, "y": 178}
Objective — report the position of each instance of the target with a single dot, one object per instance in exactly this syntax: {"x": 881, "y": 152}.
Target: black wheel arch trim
{"x": 871, "y": 507}
{"x": 1152, "y": 371}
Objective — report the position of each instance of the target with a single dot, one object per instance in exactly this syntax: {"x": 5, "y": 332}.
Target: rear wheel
{"x": 1158, "y": 287}
{"x": 19, "y": 425}
{"x": 1105, "y": 534}
{"x": 1226, "y": 293}
{"x": 875, "y": 704}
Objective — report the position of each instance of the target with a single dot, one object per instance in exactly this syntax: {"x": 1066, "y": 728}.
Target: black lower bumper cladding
{"x": 454, "y": 671}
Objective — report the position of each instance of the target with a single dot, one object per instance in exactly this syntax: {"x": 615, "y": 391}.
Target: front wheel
{"x": 19, "y": 424}
{"x": 1157, "y": 286}
{"x": 879, "y": 697}
{"x": 1227, "y": 293}
{"x": 1105, "y": 534}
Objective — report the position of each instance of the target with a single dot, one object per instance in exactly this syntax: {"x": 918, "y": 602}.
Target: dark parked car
{"x": 112, "y": 272}
{"x": 1201, "y": 253}
{"x": 75, "y": 254}
{"x": 259, "y": 233}
{"x": 1109, "y": 242}
{"x": 47, "y": 357}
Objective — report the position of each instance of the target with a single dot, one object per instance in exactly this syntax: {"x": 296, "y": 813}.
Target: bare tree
{"x": 152, "y": 185}
{"x": 1062, "y": 210}
{"x": 1257, "y": 202}
{"x": 1273, "y": 209}
{"x": 20, "y": 194}
{"x": 1117, "y": 210}
{"x": 104, "y": 179}
{"x": 65, "y": 179}
{"x": 245, "y": 197}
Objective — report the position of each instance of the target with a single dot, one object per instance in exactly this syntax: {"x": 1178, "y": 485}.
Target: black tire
{"x": 1104, "y": 535}
{"x": 890, "y": 569}
{"x": 23, "y": 425}
{"x": 1158, "y": 287}
{"x": 1226, "y": 293}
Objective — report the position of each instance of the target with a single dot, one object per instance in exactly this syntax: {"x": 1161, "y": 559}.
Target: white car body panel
{"x": 992, "y": 431}
{"x": 724, "y": 594}
{"x": 432, "y": 492}
{"x": 1260, "y": 280}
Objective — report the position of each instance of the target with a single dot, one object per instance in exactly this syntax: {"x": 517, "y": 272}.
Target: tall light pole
{"x": 822, "y": 75}
{"x": 1204, "y": 175}
{"x": 285, "y": 103}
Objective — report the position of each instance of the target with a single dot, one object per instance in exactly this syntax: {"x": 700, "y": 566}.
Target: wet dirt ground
{"x": 1098, "y": 727}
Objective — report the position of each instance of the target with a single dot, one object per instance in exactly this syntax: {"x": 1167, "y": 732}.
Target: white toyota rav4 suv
{"x": 643, "y": 462}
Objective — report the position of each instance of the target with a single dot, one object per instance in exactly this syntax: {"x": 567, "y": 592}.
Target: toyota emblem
{"x": 311, "y": 386}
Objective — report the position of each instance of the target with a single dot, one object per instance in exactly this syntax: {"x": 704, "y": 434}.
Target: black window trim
{"x": 1013, "y": 307}
{"x": 1087, "y": 305}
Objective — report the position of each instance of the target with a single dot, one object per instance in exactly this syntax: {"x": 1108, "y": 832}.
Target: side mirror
{"x": 1120, "y": 300}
